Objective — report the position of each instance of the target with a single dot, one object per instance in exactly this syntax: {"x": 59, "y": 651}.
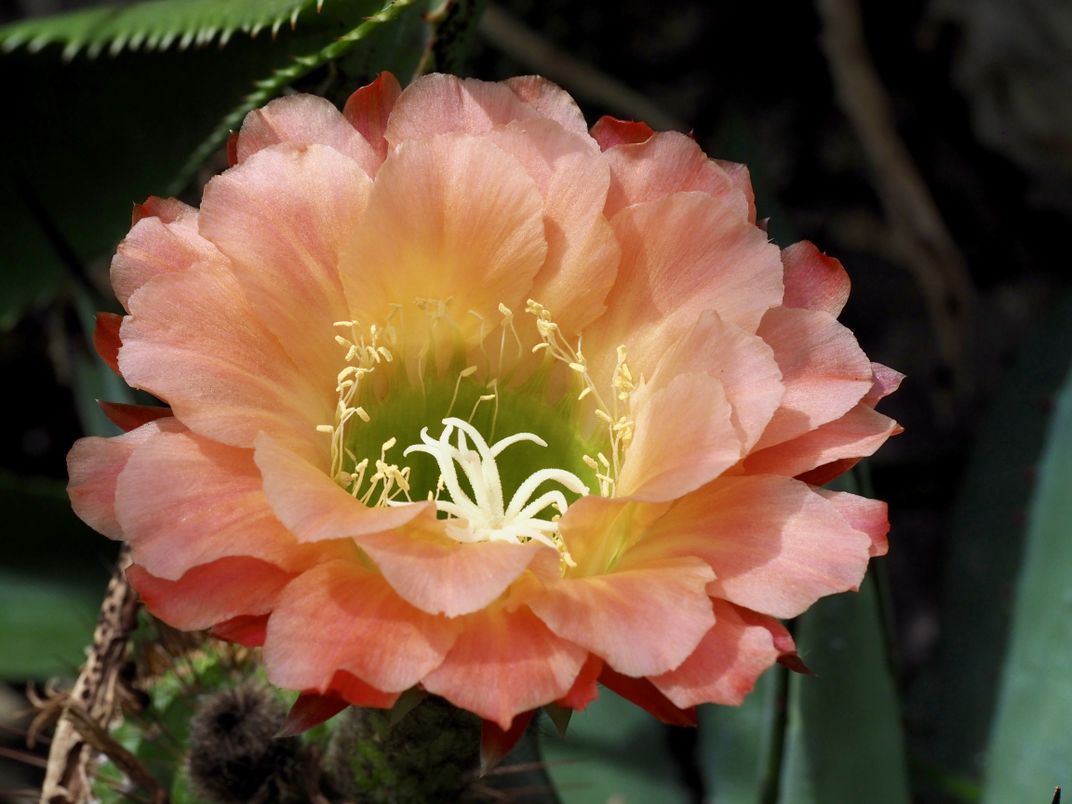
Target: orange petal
{"x": 341, "y": 616}
{"x": 645, "y": 695}
{"x": 356, "y": 692}
{"x": 495, "y": 743}
{"x": 439, "y": 104}
{"x": 281, "y": 217}
{"x": 868, "y": 516}
{"x": 193, "y": 341}
{"x": 642, "y": 619}
{"x": 212, "y": 593}
{"x": 582, "y": 251}
{"x": 814, "y": 281}
{"x": 681, "y": 256}
{"x": 505, "y": 663}
{"x": 666, "y": 163}
{"x": 584, "y": 689}
{"x": 449, "y": 218}
{"x": 183, "y": 500}
{"x": 93, "y": 466}
{"x": 552, "y": 102}
{"x": 775, "y": 544}
{"x": 684, "y": 437}
{"x": 162, "y": 239}
{"x": 610, "y": 131}
{"x": 129, "y": 417}
{"x": 742, "y": 362}
{"x": 857, "y": 434}
{"x": 304, "y": 120}
{"x": 106, "y": 339}
{"x": 309, "y": 710}
{"x": 441, "y": 576}
{"x": 312, "y": 506}
{"x": 245, "y": 629}
{"x": 824, "y": 371}
{"x": 725, "y": 665}
{"x": 369, "y": 108}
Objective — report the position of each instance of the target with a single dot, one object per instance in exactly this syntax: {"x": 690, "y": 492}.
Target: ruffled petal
{"x": 776, "y": 545}
{"x": 551, "y": 101}
{"x": 682, "y": 255}
{"x": 341, "y": 616}
{"x": 192, "y": 339}
{"x": 311, "y": 505}
{"x": 823, "y": 368}
{"x": 582, "y": 251}
{"x": 442, "y": 576}
{"x": 867, "y": 516}
{"x": 814, "y": 281}
{"x": 666, "y": 163}
{"x": 610, "y": 131}
{"x": 439, "y": 104}
{"x": 211, "y": 593}
{"x": 684, "y": 437}
{"x": 857, "y": 434}
{"x": 369, "y": 109}
{"x": 304, "y": 120}
{"x": 725, "y": 665}
{"x": 93, "y": 466}
{"x": 884, "y": 381}
{"x": 281, "y": 217}
{"x": 163, "y": 238}
{"x": 183, "y": 500}
{"x": 505, "y": 663}
{"x": 642, "y": 620}
{"x": 449, "y": 218}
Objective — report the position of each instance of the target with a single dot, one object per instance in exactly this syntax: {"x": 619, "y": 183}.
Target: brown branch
{"x": 927, "y": 248}
{"x": 93, "y": 699}
{"x": 506, "y": 33}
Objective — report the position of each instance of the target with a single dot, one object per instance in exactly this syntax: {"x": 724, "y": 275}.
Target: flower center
{"x": 419, "y": 372}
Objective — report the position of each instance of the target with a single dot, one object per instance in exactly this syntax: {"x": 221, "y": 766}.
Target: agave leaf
{"x": 154, "y": 25}
{"x": 953, "y": 701}
{"x": 1030, "y": 749}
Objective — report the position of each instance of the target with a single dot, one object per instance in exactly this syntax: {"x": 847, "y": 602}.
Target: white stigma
{"x": 486, "y": 517}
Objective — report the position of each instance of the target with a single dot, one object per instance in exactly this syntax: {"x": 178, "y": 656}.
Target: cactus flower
{"x": 464, "y": 396}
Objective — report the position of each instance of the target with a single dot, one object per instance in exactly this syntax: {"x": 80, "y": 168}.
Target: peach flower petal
{"x": 211, "y": 593}
{"x": 442, "y": 576}
{"x": 863, "y": 514}
{"x": 505, "y": 663}
{"x": 192, "y": 339}
{"x": 552, "y": 102}
{"x": 857, "y": 434}
{"x": 684, "y": 437}
{"x": 582, "y": 251}
{"x": 369, "y": 108}
{"x": 453, "y": 217}
{"x": 725, "y": 665}
{"x": 610, "y": 131}
{"x": 341, "y": 616}
{"x": 440, "y": 104}
{"x": 682, "y": 255}
{"x": 776, "y": 545}
{"x": 304, "y": 120}
{"x": 163, "y": 239}
{"x": 208, "y": 504}
{"x": 814, "y": 281}
{"x": 311, "y": 505}
{"x": 666, "y": 163}
{"x": 824, "y": 371}
{"x": 642, "y": 619}
{"x": 281, "y": 217}
{"x": 884, "y": 381}
{"x": 94, "y": 465}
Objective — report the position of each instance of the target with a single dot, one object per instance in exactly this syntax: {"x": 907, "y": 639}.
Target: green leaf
{"x": 95, "y": 136}
{"x": 1030, "y": 750}
{"x": 155, "y": 25}
{"x": 843, "y": 740}
{"x": 47, "y": 607}
{"x": 738, "y": 745}
{"x": 952, "y": 702}
{"x": 614, "y": 751}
